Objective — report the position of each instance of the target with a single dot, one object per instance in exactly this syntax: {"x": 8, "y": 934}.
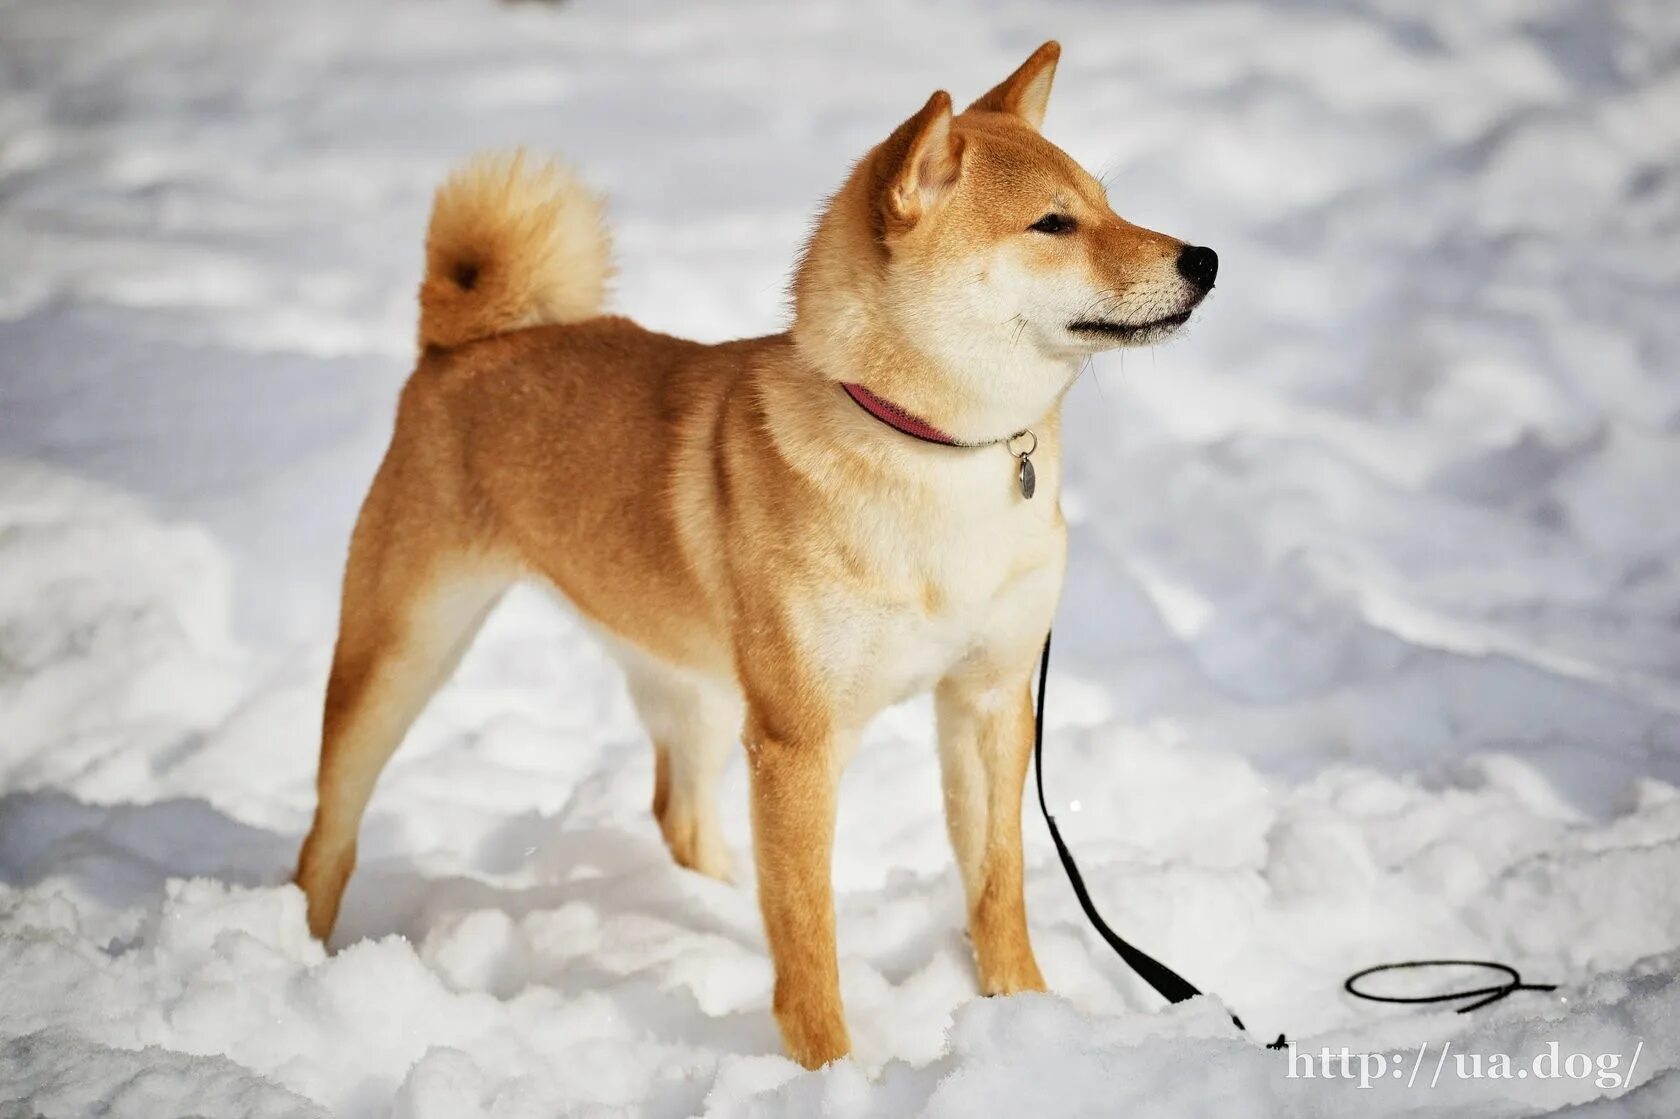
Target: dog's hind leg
{"x": 410, "y": 610}
{"x": 694, "y": 723}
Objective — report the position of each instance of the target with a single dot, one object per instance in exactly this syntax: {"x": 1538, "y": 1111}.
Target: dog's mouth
{"x": 1131, "y": 332}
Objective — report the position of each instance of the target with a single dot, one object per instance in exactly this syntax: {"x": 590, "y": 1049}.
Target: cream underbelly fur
{"x": 770, "y": 563}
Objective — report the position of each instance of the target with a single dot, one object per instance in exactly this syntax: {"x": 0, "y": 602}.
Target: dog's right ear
{"x": 920, "y": 163}
{"x": 1026, "y": 92}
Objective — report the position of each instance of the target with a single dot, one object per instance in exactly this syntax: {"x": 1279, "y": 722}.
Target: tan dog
{"x": 767, "y": 559}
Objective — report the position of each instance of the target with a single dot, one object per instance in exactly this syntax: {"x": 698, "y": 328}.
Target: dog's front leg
{"x": 794, "y": 767}
{"x": 985, "y": 742}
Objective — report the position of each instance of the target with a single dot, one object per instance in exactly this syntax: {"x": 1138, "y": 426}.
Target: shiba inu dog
{"x": 782, "y": 535}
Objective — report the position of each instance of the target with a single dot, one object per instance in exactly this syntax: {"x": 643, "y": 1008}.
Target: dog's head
{"x": 992, "y": 255}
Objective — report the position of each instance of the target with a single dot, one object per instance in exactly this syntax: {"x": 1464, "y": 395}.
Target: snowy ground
{"x": 1371, "y": 645}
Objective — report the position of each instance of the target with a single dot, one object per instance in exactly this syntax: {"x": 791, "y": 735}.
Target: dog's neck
{"x": 982, "y": 395}
{"x": 844, "y": 448}
{"x": 905, "y": 422}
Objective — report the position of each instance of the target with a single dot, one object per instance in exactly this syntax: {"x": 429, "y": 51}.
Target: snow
{"x": 1370, "y": 647}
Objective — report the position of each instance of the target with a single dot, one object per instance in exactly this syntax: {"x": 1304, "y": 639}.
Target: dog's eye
{"x": 1053, "y": 223}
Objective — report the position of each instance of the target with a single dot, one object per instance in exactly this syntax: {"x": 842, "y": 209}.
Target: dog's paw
{"x": 696, "y": 848}
{"x": 814, "y": 1039}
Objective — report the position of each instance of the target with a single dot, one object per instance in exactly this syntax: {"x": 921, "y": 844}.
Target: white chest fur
{"x": 973, "y": 576}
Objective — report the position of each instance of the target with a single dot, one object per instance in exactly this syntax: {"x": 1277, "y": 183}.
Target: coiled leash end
{"x": 1484, "y": 996}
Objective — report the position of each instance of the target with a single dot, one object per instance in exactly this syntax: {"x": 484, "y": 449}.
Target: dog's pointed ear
{"x": 921, "y": 161}
{"x": 1026, "y": 92}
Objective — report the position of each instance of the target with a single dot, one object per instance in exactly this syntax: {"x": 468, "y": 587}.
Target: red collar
{"x": 917, "y": 428}
{"x": 898, "y": 419}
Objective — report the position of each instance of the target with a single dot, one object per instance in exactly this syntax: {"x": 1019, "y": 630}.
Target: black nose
{"x": 1199, "y": 265}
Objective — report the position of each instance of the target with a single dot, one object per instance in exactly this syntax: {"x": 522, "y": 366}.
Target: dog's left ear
{"x": 1026, "y": 92}
{"x": 922, "y": 160}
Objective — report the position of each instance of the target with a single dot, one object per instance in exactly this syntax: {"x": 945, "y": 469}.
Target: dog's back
{"x": 587, "y": 455}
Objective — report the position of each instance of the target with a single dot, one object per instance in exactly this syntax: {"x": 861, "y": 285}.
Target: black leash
{"x": 1174, "y": 987}
{"x": 1483, "y": 995}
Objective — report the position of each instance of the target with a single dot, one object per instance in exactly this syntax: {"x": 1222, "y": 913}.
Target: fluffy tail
{"x": 511, "y": 244}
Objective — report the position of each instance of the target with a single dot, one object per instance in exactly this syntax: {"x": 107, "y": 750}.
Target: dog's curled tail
{"x": 511, "y": 244}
